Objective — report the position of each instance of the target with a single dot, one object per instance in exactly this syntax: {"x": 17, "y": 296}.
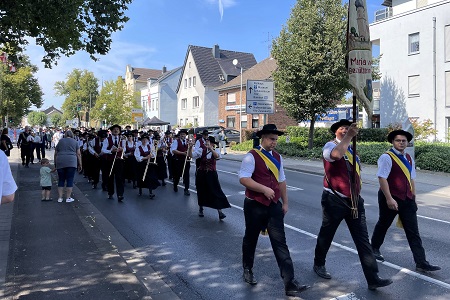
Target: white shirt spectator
{"x": 7, "y": 184}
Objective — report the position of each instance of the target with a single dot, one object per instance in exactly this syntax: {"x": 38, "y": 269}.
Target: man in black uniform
{"x": 25, "y": 146}
{"x": 113, "y": 149}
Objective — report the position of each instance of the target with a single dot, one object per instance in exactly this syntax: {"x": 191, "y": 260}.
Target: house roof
{"x": 210, "y": 68}
{"x": 387, "y": 3}
{"x": 142, "y": 74}
{"x": 167, "y": 74}
{"x": 51, "y": 109}
{"x": 261, "y": 71}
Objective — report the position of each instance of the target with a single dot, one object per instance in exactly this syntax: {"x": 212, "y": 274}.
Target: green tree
{"x": 37, "y": 118}
{"x": 19, "y": 90}
{"x": 61, "y": 27}
{"x": 310, "y": 52}
{"x": 423, "y": 130}
{"x": 114, "y": 104}
{"x": 57, "y": 120}
{"x": 80, "y": 90}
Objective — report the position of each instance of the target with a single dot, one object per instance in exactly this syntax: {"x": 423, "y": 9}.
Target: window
{"x": 156, "y": 104}
{"x": 414, "y": 86}
{"x": 189, "y": 65}
{"x": 153, "y": 104}
{"x": 231, "y": 120}
{"x": 231, "y": 98}
{"x": 255, "y": 121}
{"x": 244, "y": 121}
{"x": 195, "y": 102}
{"x": 185, "y": 83}
{"x": 183, "y": 103}
{"x": 195, "y": 122}
{"x": 194, "y": 81}
{"x": 447, "y": 88}
{"x": 421, "y": 3}
{"x": 181, "y": 122}
{"x": 190, "y": 82}
{"x": 447, "y": 42}
{"x": 413, "y": 43}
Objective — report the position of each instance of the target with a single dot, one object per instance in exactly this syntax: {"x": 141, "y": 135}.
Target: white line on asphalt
{"x": 350, "y": 296}
{"x": 388, "y": 264}
{"x": 433, "y": 219}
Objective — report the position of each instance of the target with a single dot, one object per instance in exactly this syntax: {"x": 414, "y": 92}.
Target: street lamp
{"x": 235, "y": 62}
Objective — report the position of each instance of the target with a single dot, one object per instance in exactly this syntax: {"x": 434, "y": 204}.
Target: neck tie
{"x": 115, "y": 141}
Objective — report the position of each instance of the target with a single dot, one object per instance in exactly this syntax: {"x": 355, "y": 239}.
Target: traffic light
{"x": 78, "y": 106}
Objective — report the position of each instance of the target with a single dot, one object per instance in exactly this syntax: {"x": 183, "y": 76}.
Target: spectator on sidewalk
{"x": 222, "y": 142}
{"x": 5, "y": 142}
{"x": 67, "y": 158}
{"x": 46, "y": 179}
{"x": 25, "y": 146}
{"x": 7, "y": 184}
{"x": 397, "y": 196}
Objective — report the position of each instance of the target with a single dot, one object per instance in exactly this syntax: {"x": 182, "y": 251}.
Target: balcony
{"x": 383, "y": 14}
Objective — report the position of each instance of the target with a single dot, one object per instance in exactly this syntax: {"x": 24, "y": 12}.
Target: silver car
{"x": 231, "y": 134}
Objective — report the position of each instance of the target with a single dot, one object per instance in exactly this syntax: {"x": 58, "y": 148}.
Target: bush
{"x": 433, "y": 156}
{"x": 369, "y": 152}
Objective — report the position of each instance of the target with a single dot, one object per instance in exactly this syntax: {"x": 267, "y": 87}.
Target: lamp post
{"x": 235, "y": 62}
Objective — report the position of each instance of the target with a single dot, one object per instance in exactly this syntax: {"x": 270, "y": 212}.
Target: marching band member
{"x": 95, "y": 151}
{"x": 161, "y": 147}
{"x": 146, "y": 167}
{"x": 168, "y": 141}
{"x": 209, "y": 192}
{"x": 113, "y": 149}
{"x": 179, "y": 150}
{"x": 130, "y": 160}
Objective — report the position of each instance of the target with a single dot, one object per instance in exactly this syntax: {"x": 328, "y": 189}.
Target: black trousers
{"x": 25, "y": 154}
{"x": 407, "y": 210}
{"x": 178, "y": 170}
{"x": 258, "y": 216}
{"x": 335, "y": 210}
{"x": 116, "y": 177}
{"x": 105, "y": 172}
{"x": 40, "y": 151}
{"x": 169, "y": 158}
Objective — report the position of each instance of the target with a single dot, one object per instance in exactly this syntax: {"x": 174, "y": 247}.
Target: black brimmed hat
{"x": 394, "y": 133}
{"x": 114, "y": 126}
{"x": 168, "y": 132}
{"x": 342, "y": 122}
{"x": 134, "y": 131}
{"x": 144, "y": 136}
{"x": 183, "y": 131}
{"x": 102, "y": 133}
{"x": 205, "y": 132}
{"x": 269, "y": 128}
{"x": 212, "y": 140}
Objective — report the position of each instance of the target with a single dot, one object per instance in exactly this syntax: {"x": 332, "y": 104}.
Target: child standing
{"x": 46, "y": 179}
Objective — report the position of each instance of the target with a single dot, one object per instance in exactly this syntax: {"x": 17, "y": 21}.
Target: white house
{"x": 414, "y": 40}
{"x": 204, "y": 70}
{"x": 159, "y": 99}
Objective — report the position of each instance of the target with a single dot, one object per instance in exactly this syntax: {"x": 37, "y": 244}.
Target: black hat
{"x": 342, "y": 122}
{"x": 183, "y": 131}
{"x": 102, "y": 133}
{"x": 394, "y": 133}
{"x": 212, "y": 140}
{"x": 75, "y": 131}
{"x": 134, "y": 131}
{"x": 205, "y": 131}
{"x": 269, "y": 128}
{"x": 157, "y": 137}
{"x": 150, "y": 130}
{"x": 168, "y": 132}
{"x": 114, "y": 126}
{"x": 144, "y": 136}
{"x": 128, "y": 133}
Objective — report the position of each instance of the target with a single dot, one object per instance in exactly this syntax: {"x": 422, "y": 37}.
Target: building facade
{"x": 203, "y": 71}
{"x": 414, "y": 43}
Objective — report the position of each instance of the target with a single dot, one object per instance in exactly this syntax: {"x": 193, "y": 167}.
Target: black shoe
{"x": 426, "y": 267}
{"x": 377, "y": 254}
{"x": 175, "y": 188}
{"x": 186, "y": 193}
{"x": 222, "y": 215}
{"x": 27, "y": 166}
{"x": 110, "y": 197}
{"x": 163, "y": 183}
{"x": 152, "y": 195}
{"x": 379, "y": 283}
{"x": 23, "y": 163}
{"x": 170, "y": 177}
{"x": 134, "y": 185}
{"x": 94, "y": 186}
{"x": 322, "y": 272}
{"x": 294, "y": 288}
{"x": 140, "y": 192}
{"x": 200, "y": 212}
{"x": 120, "y": 198}
{"x": 248, "y": 277}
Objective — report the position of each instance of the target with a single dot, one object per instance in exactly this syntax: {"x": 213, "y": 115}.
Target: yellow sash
{"x": 402, "y": 166}
{"x": 350, "y": 159}
{"x": 269, "y": 163}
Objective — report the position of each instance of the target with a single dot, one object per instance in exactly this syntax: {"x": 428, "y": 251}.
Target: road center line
{"x": 388, "y": 264}
{"x": 433, "y": 219}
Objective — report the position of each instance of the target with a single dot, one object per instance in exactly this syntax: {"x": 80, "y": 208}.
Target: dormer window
{"x": 221, "y": 78}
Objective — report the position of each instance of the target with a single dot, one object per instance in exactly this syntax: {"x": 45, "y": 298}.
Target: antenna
{"x": 269, "y": 43}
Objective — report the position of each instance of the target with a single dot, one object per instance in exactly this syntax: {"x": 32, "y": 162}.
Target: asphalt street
{"x": 200, "y": 258}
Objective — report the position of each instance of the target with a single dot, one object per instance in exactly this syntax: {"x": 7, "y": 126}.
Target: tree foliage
{"x": 423, "y": 130}
{"x": 37, "y": 118}
{"x": 61, "y": 27}
{"x": 19, "y": 90}
{"x": 310, "y": 52}
{"x": 114, "y": 104}
{"x": 81, "y": 88}
{"x": 57, "y": 120}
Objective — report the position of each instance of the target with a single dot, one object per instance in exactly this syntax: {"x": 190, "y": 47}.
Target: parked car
{"x": 196, "y": 132}
{"x": 231, "y": 134}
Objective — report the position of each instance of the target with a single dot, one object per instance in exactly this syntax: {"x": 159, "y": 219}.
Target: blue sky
{"x": 159, "y": 32}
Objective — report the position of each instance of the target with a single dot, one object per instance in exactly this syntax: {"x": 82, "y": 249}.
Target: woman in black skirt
{"x": 161, "y": 158}
{"x": 209, "y": 192}
{"x": 146, "y": 165}
{"x": 130, "y": 161}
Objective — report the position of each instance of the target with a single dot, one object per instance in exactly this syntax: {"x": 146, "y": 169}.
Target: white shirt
{"x": 137, "y": 152}
{"x": 105, "y": 144}
{"x": 7, "y": 184}
{"x": 174, "y": 145}
{"x": 198, "y": 151}
{"x": 248, "y": 167}
{"x": 385, "y": 165}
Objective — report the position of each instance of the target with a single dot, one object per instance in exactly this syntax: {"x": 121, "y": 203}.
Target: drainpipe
{"x": 434, "y": 78}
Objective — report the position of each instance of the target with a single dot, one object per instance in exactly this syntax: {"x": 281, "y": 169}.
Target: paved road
{"x": 200, "y": 258}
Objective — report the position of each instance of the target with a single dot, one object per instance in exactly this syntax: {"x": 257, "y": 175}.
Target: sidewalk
{"x": 52, "y": 250}
{"x": 426, "y": 181}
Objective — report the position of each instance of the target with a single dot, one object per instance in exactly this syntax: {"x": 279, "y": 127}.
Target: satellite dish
{"x": 235, "y": 62}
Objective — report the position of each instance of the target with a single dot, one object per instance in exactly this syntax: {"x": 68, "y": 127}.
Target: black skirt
{"x": 130, "y": 168}
{"x": 162, "y": 168}
{"x": 151, "y": 180}
{"x": 209, "y": 192}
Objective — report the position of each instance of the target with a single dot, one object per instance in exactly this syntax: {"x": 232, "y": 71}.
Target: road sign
{"x": 259, "y": 97}
{"x": 137, "y": 114}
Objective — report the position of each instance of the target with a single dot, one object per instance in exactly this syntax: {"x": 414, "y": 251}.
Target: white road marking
{"x": 433, "y": 219}
{"x": 350, "y": 296}
{"x": 388, "y": 264}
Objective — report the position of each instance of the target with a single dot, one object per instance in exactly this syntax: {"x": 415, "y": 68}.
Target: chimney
{"x": 164, "y": 70}
{"x": 216, "y": 51}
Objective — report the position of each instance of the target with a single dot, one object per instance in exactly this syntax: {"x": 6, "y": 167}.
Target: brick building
{"x": 230, "y": 101}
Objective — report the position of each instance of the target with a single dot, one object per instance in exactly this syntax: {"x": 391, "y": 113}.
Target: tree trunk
{"x": 311, "y": 133}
